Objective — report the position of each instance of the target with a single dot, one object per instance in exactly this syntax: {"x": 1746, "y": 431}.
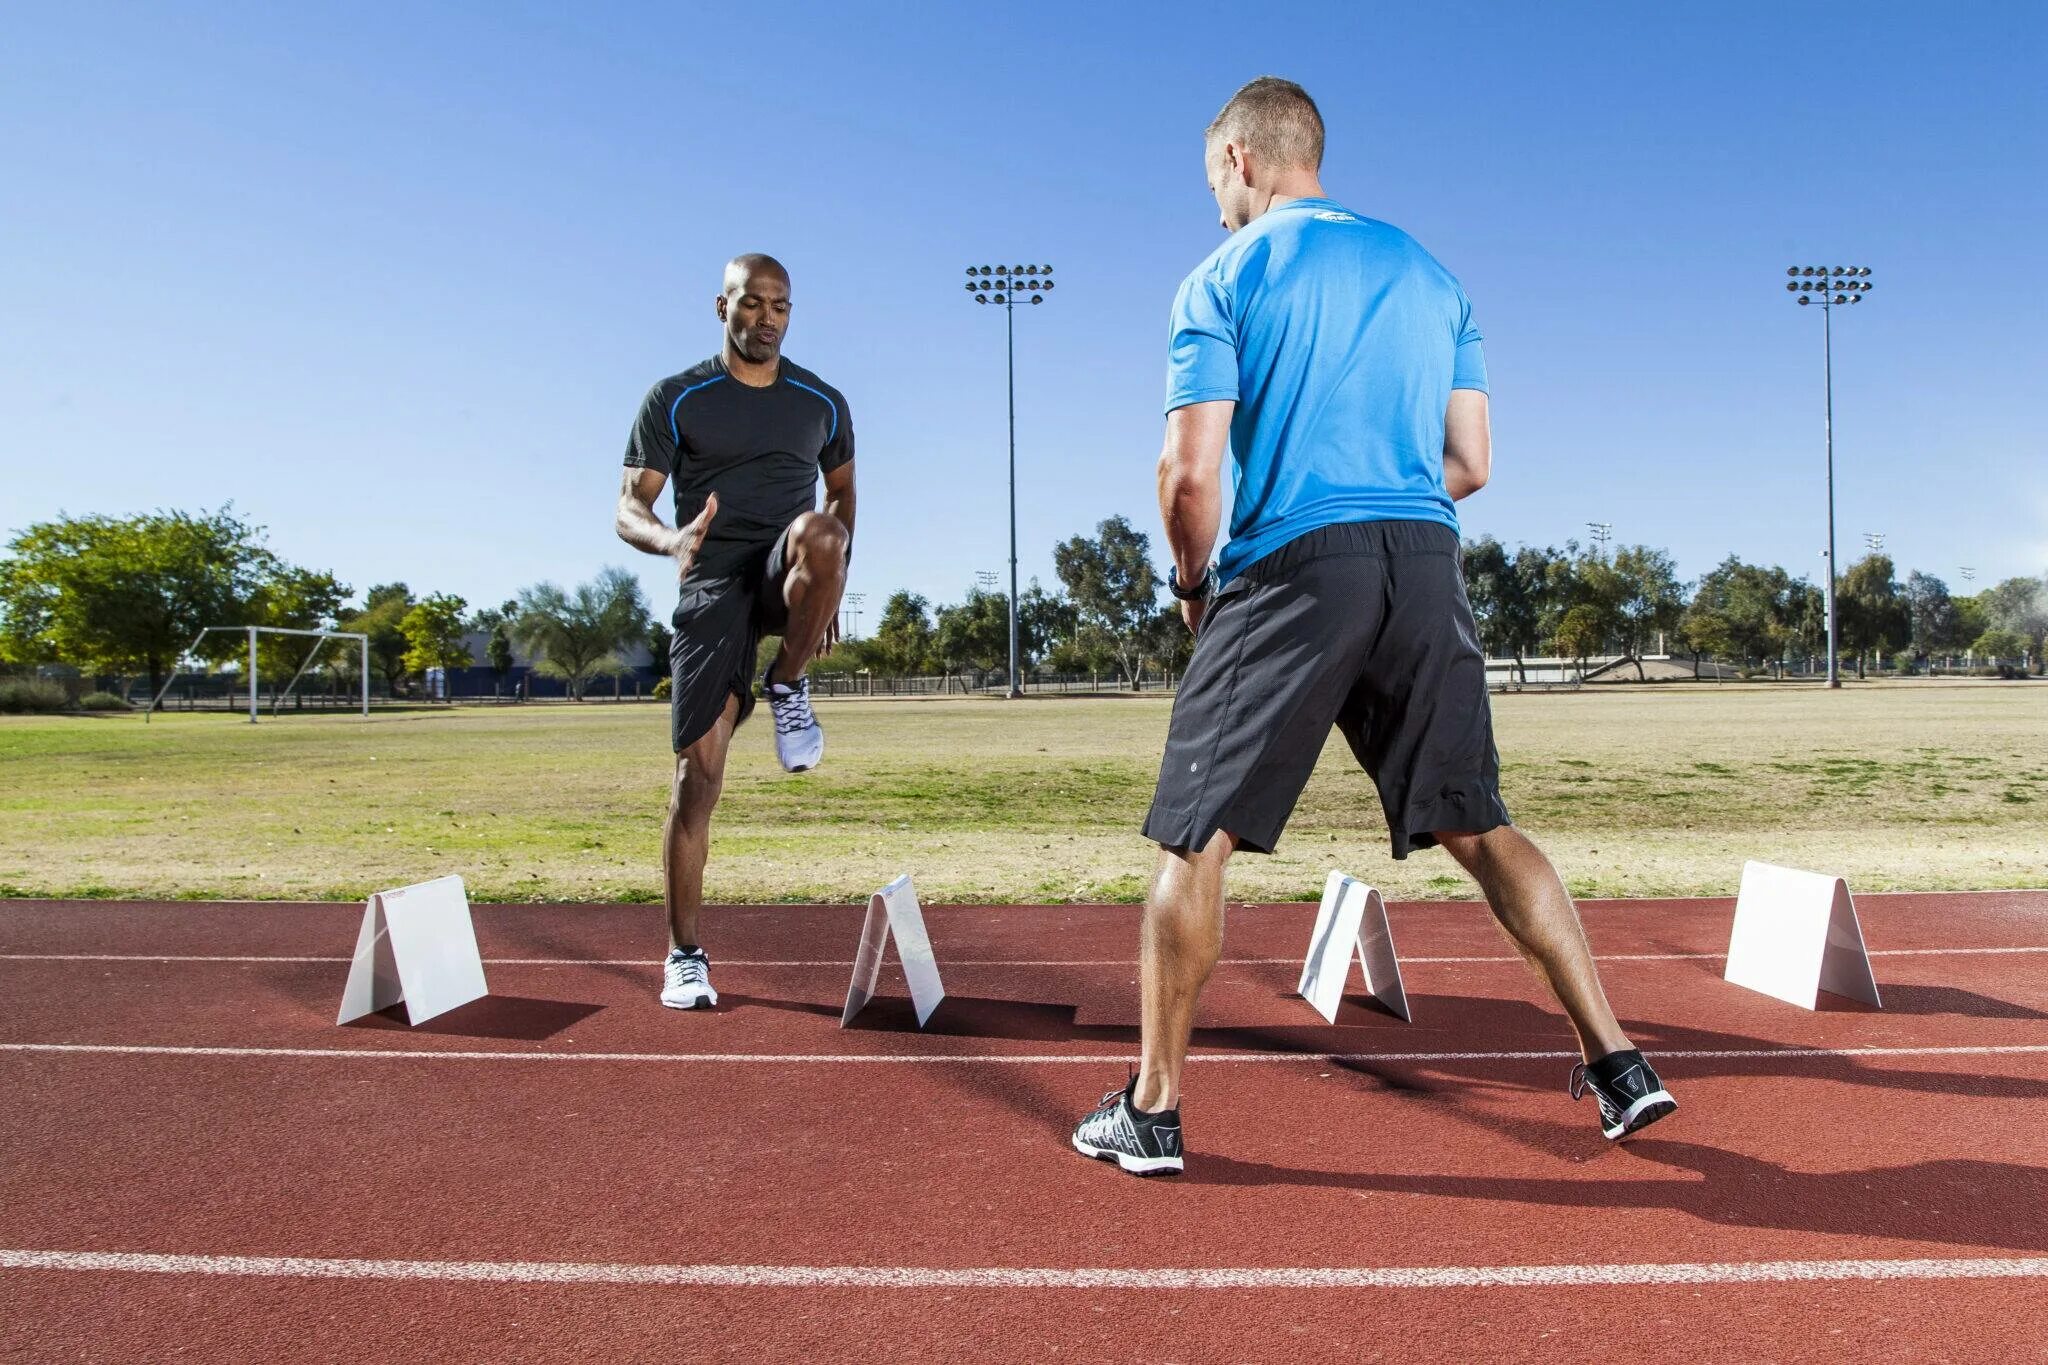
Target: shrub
{"x": 662, "y": 687}
{"x": 31, "y": 694}
{"x": 102, "y": 701}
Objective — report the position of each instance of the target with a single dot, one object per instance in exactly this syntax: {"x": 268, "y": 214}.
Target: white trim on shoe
{"x": 1136, "y": 1165}
{"x": 1654, "y": 1097}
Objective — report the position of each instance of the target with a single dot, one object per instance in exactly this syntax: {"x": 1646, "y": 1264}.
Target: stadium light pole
{"x": 1602, "y": 531}
{"x": 1830, "y": 287}
{"x": 853, "y": 601}
{"x": 1873, "y": 542}
{"x": 1005, "y": 286}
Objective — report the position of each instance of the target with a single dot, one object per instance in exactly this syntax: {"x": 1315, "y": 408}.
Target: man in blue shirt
{"x": 1339, "y": 362}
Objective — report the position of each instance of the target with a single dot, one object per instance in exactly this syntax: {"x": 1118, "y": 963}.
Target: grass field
{"x": 1635, "y": 792}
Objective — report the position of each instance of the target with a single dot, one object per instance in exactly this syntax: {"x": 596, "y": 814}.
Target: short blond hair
{"x": 1274, "y": 119}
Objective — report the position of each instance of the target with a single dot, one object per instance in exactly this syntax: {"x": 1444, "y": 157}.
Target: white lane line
{"x": 650, "y": 962}
{"x": 1005, "y": 1277}
{"x": 980, "y": 1058}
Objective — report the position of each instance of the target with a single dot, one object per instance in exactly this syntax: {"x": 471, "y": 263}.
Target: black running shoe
{"x": 1628, "y": 1090}
{"x": 1141, "y": 1143}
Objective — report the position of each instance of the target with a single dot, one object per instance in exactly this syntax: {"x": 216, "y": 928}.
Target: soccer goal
{"x": 319, "y": 638}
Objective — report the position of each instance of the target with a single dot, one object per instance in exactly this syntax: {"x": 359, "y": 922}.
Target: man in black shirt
{"x": 742, "y": 437}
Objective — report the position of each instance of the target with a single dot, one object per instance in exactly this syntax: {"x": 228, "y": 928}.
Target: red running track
{"x": 568, "y": 1171}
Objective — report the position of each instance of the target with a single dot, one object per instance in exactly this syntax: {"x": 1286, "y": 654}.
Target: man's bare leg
{"x": 811, "y": 587}
{"x": 1537, "y": 912}
{"x": 686, "y": 835}
{"x": 1178, "y": 945}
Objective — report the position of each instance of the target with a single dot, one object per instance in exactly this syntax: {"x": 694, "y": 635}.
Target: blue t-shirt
{"x": 1340, "y": 339}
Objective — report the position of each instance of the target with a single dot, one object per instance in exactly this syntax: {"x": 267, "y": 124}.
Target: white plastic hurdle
{"x": 417, "y": 945}
{"x": 894, "y": 911}
{"x": 1352, "y": 923}
{"x": 1795, "y": 935}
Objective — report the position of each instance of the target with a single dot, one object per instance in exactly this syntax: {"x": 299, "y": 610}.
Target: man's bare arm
{"x": 639, "y": 526}
{"x": 839, "y": 500}
{"x": 1191, "y": 489}
{"x": 1468, "y": 443}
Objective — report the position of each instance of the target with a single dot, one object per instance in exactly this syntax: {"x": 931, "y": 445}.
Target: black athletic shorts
{"x": 718, "y": 624}
{"x": 1364, "y": 626}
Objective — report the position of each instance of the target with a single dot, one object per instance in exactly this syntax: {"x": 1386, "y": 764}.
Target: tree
{"x": 903, "y": 641}
{"x": 2020, "y": 605}
{"x": 1932, "y": 620}
{"x": 1870, "y": 613}
{"x": 496, "y": 625}
{"x": 382, "y": 616}
{"x": 1168, "y": 641}
{"x": 499, "y": 652}
{"x": 1498, "y": 597}
{"x": 1043, "y": 620}
{"x": 1648, "y": 599}
{"x": 1114, "y": 590}
{"x": 115, "y": 595}
{"x": 1998, "y": 644}
{"x": 433, "y": 632}
{"x": 1741, "y": 612}
{"x": 300, "y": 599}
{"x": 1578, "y": 635}
{"x": 574, "y": 635}
{"x": 975, "y": 635}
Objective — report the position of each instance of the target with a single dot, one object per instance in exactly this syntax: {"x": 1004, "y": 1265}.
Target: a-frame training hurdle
{"x": 894, "y": 911}
{"x": 1352, "y": 923}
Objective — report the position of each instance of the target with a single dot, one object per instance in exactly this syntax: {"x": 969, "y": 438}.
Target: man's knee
{"x": 698, "y": 781}
{"x": 819, "y": 539}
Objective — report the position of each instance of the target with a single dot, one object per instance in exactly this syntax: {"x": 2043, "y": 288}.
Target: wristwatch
{"x": 1202, "y": 588}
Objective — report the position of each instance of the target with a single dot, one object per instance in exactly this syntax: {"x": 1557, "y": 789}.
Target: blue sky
{"x": 394, "y": 278}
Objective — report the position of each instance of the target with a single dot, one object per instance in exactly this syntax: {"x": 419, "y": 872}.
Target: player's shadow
{"x": 495, "y": 1016}
{"x": 1931, "y": 1000}
{"x": 1960, "y": 1201}
{"x": 970, "y": 1016}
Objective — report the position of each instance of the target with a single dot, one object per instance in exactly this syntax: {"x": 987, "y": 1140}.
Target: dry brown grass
{"x": 1659, "y": 791}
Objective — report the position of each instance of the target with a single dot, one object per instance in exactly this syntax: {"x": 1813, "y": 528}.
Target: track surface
{"x": 565, "y": 1170}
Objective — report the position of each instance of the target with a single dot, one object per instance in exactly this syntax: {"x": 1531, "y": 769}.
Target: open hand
{"x": 690, "y": 538}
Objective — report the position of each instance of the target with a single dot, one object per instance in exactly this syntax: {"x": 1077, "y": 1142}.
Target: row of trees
{"x": 1107, "y": 618}
{"x": 1578, "y": 602}
{"x": 125, "y": 597}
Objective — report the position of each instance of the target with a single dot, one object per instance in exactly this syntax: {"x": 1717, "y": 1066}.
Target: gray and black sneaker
{"x": 686, "y": 980}
{"x": 1627, "y": 1088}
{"x": 1141, "y": 1143}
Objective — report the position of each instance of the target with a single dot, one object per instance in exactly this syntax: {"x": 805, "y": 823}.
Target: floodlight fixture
{"x": 1014, "y": 284}
{"x": 1831, "y": 287}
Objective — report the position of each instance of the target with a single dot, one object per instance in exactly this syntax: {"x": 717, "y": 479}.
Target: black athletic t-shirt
{"x": 760, "y": 449}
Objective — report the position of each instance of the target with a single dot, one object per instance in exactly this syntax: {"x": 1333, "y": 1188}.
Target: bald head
{"x": 1275, "y": 121}
{"x": 753, "y": 303}
{"x": 742, "y": 268}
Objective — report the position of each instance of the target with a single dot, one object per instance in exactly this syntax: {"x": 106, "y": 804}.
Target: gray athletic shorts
{"x": 1364, "y": 626}
{"x": 718, "y": 625}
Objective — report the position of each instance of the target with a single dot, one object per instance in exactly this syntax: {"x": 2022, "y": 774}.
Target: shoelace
{"x": 687, "y": 971}
{"x": 792, "y": 709}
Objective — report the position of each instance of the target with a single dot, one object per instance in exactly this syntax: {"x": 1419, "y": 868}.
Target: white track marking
{"x": 388, "y": 1054}
{"x": 1004, "y": 1277}
{"x": 840, "y": 963}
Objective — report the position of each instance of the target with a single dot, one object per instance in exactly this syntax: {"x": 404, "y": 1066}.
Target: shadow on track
{"x": 1965, "y": 1202}
{"x": 495, "y": 1016}
{"x": 1920, "y": 1000}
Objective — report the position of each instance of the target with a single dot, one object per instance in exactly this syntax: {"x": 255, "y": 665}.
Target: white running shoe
{"x": 686, "y": 980}
{"x": 799, "y": 742}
